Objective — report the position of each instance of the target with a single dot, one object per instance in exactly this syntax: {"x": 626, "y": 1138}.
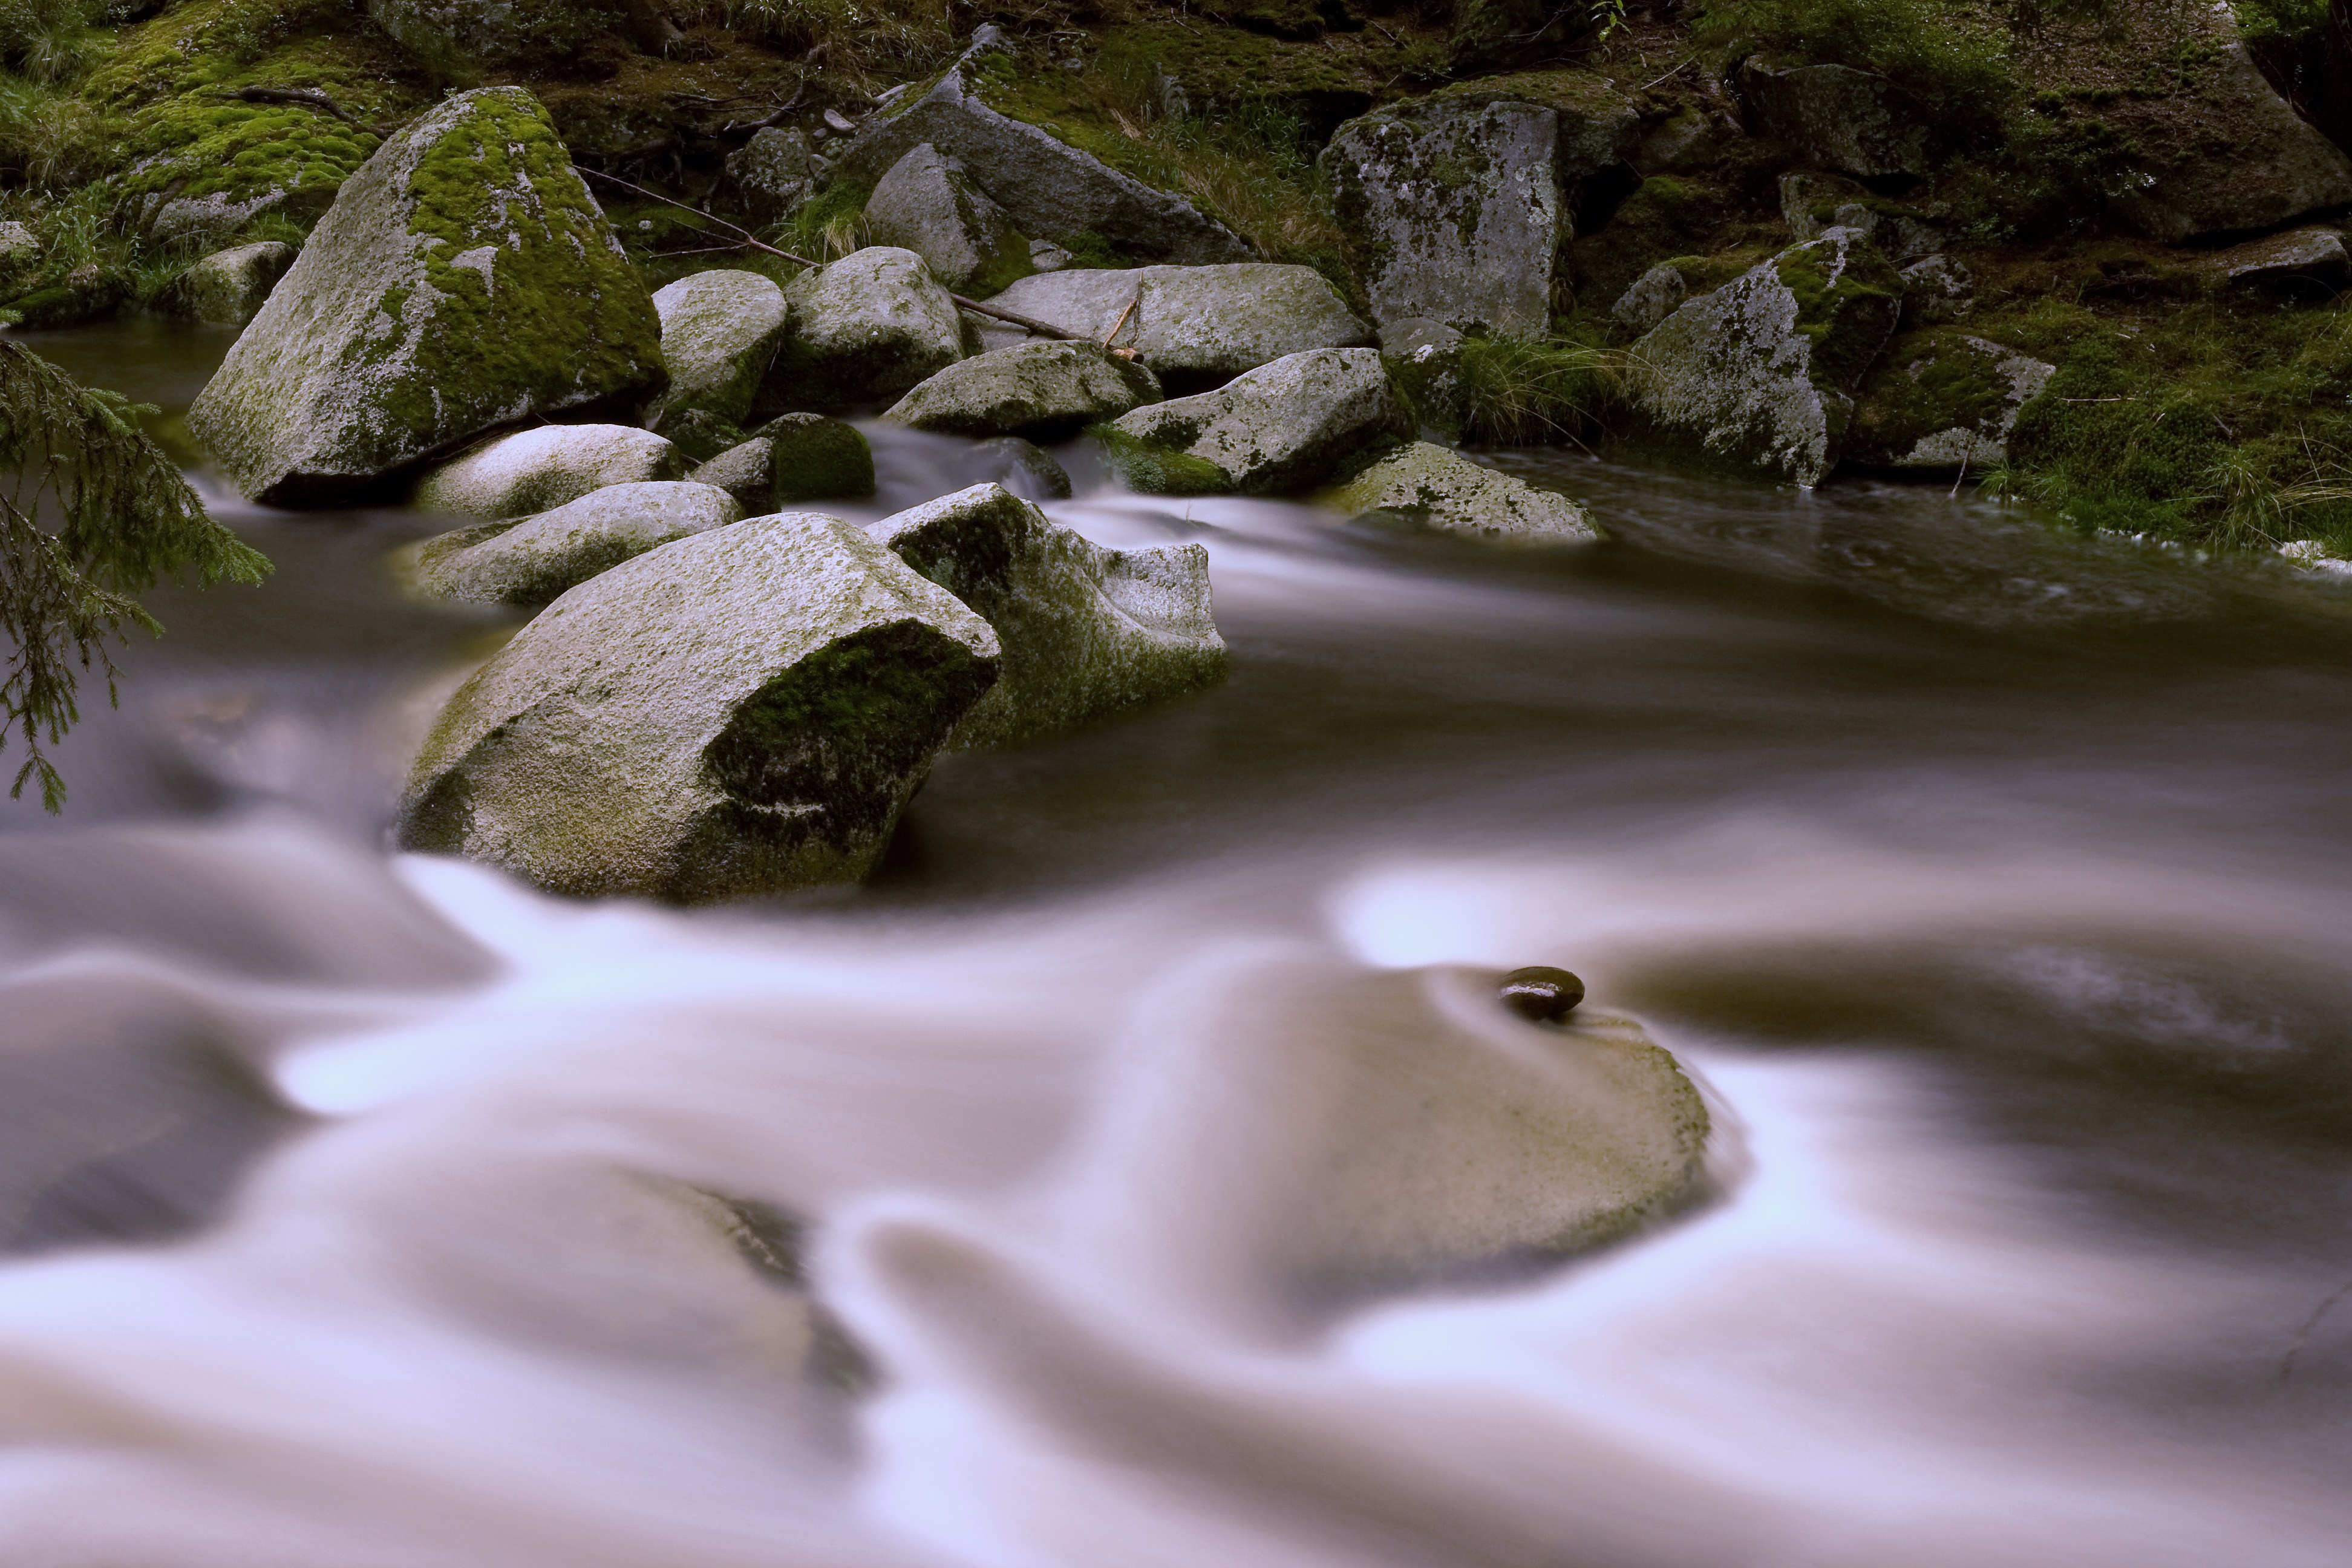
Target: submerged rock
{"x": 1195, "y": 326}
{"x": 743, "y": 712}
{"x": 719, "y": 330}
{"x": 536, "y": 470}
{"x": 929, "y": 205}
{"x": 1433, "y": 488}
{"x": 1761, "y": 373}
{"x": 866, "y": 329}
{"x": 530, "y": 561}
{"x": 1943, "y": 401}
{"x": 228, "y": 288}
{"x": 1085, "y": 630}
{"x": 1285, "y": 425}
{"x": 464, "y": 280}
{"x": 1047, "y": 390}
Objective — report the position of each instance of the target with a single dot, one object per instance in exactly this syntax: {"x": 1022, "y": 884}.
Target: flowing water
{"x": 1994, "y": 885}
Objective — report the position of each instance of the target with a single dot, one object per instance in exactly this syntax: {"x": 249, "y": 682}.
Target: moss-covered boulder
{"x": 819, "y": 458}
{"x": 1283, "y": 427}
{"x": 531, "y": 561}
{"x": 1086, "y": 631}
{"x": 1761, "y": 373}
{"x": 1943, "y": 401}
{"x": 228, "y": 288}
{"x": 773, "y": 174}
{"x": 1852, "y": 121}
{"x": 1432, "y": 488}
{"x": 1651, "y": 298}
{"x": 719, "y": 332}
{"x": 865, "y": 330}
{"x": 537, "y": 470}
{"x": 2225, "y": 154}
{"x": 1937, "y": 289}
{"x": 739, "y": 712}
{"x": 929, "y": 205}
{"x": 464, "y": 280}
{"x": 1425, "y": 358}
{"x": 1045, "y": 391}
{"x": 459, "y": 38}
{"x": 1195, "y": 327}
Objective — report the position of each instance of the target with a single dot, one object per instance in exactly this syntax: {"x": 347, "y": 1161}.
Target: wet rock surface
{"x": 1043, "y": 391}
{"x": 1195, "y": 327}
{"x": 1428, "y": 486}
{"x": 531, "y": 561}
{"x": 537, "y": 470}
{"x": 1285, "y": 425}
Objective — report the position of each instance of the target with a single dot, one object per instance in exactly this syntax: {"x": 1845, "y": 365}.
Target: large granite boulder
{"x": 1283, "y": 427}
{"x": 929, "y": 205}
{"x": 1085, "y": 630}
{"x": 464, "y": 280}
{"x": 1045, "y": 391}
{"x": 773, "y": 173}
{"x": 536, "y": 470}
{"x": 1851, "y": 121}
{"x": 1943, "y": 401}
{"x": 1195, "y": 327}
{"x": 1761, "y": 373}
{"x": 2223, "y": 154}
{"x": 1051, "y": 190}
{"x": 1432, "y": 488}
{"x": 720, "y": 330}
{"x": 459, "y": 38}
{"x": 228, "y": 288}
{"x": 865, "y": 330}
{"x": 743, "y": 712}
{"x": 530, "y": 561}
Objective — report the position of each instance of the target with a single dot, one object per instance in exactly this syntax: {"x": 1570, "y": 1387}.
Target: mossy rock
{"x": 1283, "y": 427}
{"x": 1432, "y": 488}
{"x": 531, "y": 561}
{"x": 1045, "y": 391}
{"x": 1943, "y": 401}
{"x": 1154, "y": 470}
{"x": 818, "y": 458}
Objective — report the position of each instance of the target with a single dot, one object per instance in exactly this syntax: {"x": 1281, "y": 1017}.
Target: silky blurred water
{"x": 1994, "y": 885}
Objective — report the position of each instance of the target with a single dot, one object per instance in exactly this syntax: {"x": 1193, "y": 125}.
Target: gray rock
{"x": 229, "y": 288}
{"x": 20, "y": 254}
{"x": 2224, "y": 154}
{"x": 1424, "y": 359}
{"x": 538, "y": 470}
{"x": 1814, "y": 204}
{"x": 747, "y": 471}
{"x": 1022, "y": 467}
{"x": 1937, "y": 289}
{"x": 773, "y": 173}
{"x": 1285, "y": 425}
{"x": 866, "y": 329}
{"x": 1046, "y": 391}
{"x": 1847, "y": 119}
{"x": 743, "y": 712}
{"x": 819, "y": 458}
{"x": 927, "y": 204}
{"x": 459, "y": 37}
{"x": 1051, "y": 190}
{"x": 219, "y": 216}
{"x": 1942, "y": 402}
{"x": 1435, "y": 489}
{"x": 720, "y": 330}
{"x": 1651, "y": 298}
{"x": 1761, "y": 373}
{"x": 1195, "y": 326}
{"x": 2312, "y": 258}
{"x": 530, "y": 561}
{"x": 407, "y": 326}
{"x": 1044, "y": 255}
{"x": 1086, "y": 631}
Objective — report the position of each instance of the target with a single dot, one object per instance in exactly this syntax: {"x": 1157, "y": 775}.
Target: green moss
{"x": 1931, "y": 381}
{"x": 819, "y": 458}
{"x": 1835, "y": 311}
{"x": 1156, "y": 470}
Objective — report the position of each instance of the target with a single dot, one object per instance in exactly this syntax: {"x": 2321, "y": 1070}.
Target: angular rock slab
{"x": 538, "y": 470}
{"x": 1051, "y": 190}
{"x": 1941, "y": 402}
{"x": 1195, "y": 327}
{"x": 929, "y": 205}
{"x": 1284, "y": 425}
{"x": 463, "y": 280}
{"x": 536, "y": 559}
{"x": 1760, "y": 374}
{"x": 2312, "y": 258}
{"x": 743, "y": 712}
{"x": 1086, "y": 630}
{"x": 719, "y": 330}
{"x": 1045, "y": 390}
{"x": 865, "y": 330}
{"x": 1435, "y": 489}
{"x": 228, "y": 288}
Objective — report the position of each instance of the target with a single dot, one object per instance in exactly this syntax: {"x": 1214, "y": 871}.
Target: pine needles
{"x": 123, "y": 519}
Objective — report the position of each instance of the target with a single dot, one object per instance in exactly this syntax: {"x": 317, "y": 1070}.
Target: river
{"x": 1997, "y": 885}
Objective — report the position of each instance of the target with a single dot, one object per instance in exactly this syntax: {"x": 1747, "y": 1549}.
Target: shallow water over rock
{"x": 1993, "y": 885}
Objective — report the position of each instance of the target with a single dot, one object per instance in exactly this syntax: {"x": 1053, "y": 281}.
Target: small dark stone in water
{"x": 1540, "y": 994}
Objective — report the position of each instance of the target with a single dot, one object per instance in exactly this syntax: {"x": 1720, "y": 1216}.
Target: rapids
{"x": 1993, "y": 883}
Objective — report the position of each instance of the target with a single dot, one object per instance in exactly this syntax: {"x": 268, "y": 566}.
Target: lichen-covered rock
{"x": 1814, "y": 204}
{"x": 1424, "y": 359}
{"x": 1848, "y": 120}
{"x": 1046, "y": 391}
{"x": 20, "y": 253}
{"x": 2223, "y": 154}
{"x": 538, "y": 470}
{"x": 1651, "y": 298}
{"x": 742, "y": 711}
{"x": 464, "y": 280}
{"x": 1195, "y": 327}
{"x": 1941, "y": 402}
{"x": 87, "y": 293}
{"x": 1433, "y": 488}
{"x": 1937, "y": 289}
{"x": 1760, "y": 374}
{"x": 1051, "y": 190}
{"x": 720, "y": 330}
{"x": 747, "y": 471}
{"x": 773, "y": 173}
{"x": 458, "y": 37}
{"x": 229, "y": 288}
{"x": 531, "y": 561}
{"x": 1283, "y": 427}
{"x": 2311, "y": 259}
{"x": 865, "y": 330}
{"x": 819, "y": 458}
{"x": 929, "y": 205}
{"x": 1085, "y": 630}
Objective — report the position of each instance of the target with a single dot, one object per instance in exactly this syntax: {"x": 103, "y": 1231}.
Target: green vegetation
{"x": 1537, "y": 393}
{"x": 1953, "y": 55}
